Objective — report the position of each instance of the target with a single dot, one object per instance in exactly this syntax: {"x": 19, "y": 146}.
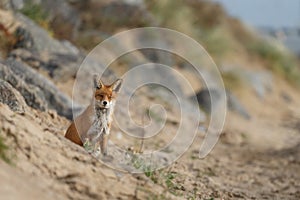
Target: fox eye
{"x": 99, "y": 95}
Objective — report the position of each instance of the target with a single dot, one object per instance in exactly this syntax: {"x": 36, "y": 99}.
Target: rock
{"x": 41, "y": 39}
{"x": 60, "y": 67}
{"x": 31, "y": 58}
{"x": 261, "y": 81}
{"x": 71, "y": 47}
{"x": 5, "y": 4}
{"x": 31, "y": 36}
{"x": 204, "y": 100}
{"x": 37, "y": 90}
{"x": 32, "y": 95}
{"x": 15, "y": 34}
{"x": 11, "y": 97}
{"x": 235, "y": 105}
{"x": 135, "y": 2}
{"x": 286, "y": 97}
{"x": 23, "y": 39}
{"x": 17, "y": 4}
{"x": 159, "y": 56}
{"x": 64, "y": 19}
{"x": 63, "y": 67}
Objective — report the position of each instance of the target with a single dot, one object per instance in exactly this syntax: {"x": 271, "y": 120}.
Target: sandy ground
{"x": 254, "y": 159}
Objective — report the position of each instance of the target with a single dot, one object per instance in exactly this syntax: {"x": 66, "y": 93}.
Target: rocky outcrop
{"x": 41, "y": 38}
{"x": 235, "y": 105}
{"x": 37, "y": 91}
{"x": 27, "y": 34}
{"x": 11, "y": 97}
{"x": 260, "y": 80}
{"x": 32, "y": 95}
{"x": 204, "y": 100}
{"x": 64, "y": 19}
{"x": 60, "y": 67}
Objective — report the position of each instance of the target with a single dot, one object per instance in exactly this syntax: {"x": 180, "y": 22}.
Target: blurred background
{"x": 275, "y": 19}
{"x": 255, "y": 45}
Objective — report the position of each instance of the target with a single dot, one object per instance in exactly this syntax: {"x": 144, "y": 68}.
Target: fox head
{"x": 105, "y": 95}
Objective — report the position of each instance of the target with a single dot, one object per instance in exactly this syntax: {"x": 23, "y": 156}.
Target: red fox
{"x": 94, "y": 124}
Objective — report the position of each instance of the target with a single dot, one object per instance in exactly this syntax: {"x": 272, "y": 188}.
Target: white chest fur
{"x": 100, "y": 123}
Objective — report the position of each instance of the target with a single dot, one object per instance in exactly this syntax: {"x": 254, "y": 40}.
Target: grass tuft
{"x": 3, "y": 151}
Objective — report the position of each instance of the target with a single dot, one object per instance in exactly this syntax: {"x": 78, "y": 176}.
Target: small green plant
{"x": 152, "y": 175}
{"x": 137, "y": 162}
{"x": 169, "y": 179}
{"x": 87, "y": 145}
{"x": 3, "y": 151}
{"x": 154, "y": 115}
{"x": 37, "y": 13}
{"x": 166, "y": 179}
{"x": 148, "y": 172}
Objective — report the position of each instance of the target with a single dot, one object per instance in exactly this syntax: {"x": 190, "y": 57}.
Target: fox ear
{"x": 116, "y": 86}
{"x": 97, "y": 81}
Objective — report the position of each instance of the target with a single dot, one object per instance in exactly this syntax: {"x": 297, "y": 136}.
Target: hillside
{"x": 43, "y": 46}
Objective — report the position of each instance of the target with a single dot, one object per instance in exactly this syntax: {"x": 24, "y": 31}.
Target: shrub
{"x": 277, "y": 59}
{"x": 37, "y": 14}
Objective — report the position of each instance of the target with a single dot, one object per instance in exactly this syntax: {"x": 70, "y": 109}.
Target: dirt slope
{"x": 246, "y": 163}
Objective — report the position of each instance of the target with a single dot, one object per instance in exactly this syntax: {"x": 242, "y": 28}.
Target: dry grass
{"x": 6, "y": 44}
{"x": 277, "y": 59}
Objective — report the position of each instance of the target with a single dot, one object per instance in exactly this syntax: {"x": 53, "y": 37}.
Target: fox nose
{"x": 104, "y": 103}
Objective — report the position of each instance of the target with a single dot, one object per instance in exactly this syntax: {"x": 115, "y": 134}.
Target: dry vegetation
{"x": 222, "y": 35}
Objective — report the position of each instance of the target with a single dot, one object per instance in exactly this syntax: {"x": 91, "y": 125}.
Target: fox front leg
{"x": 103, "y": 144}
{"x": 106, "y": 129}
